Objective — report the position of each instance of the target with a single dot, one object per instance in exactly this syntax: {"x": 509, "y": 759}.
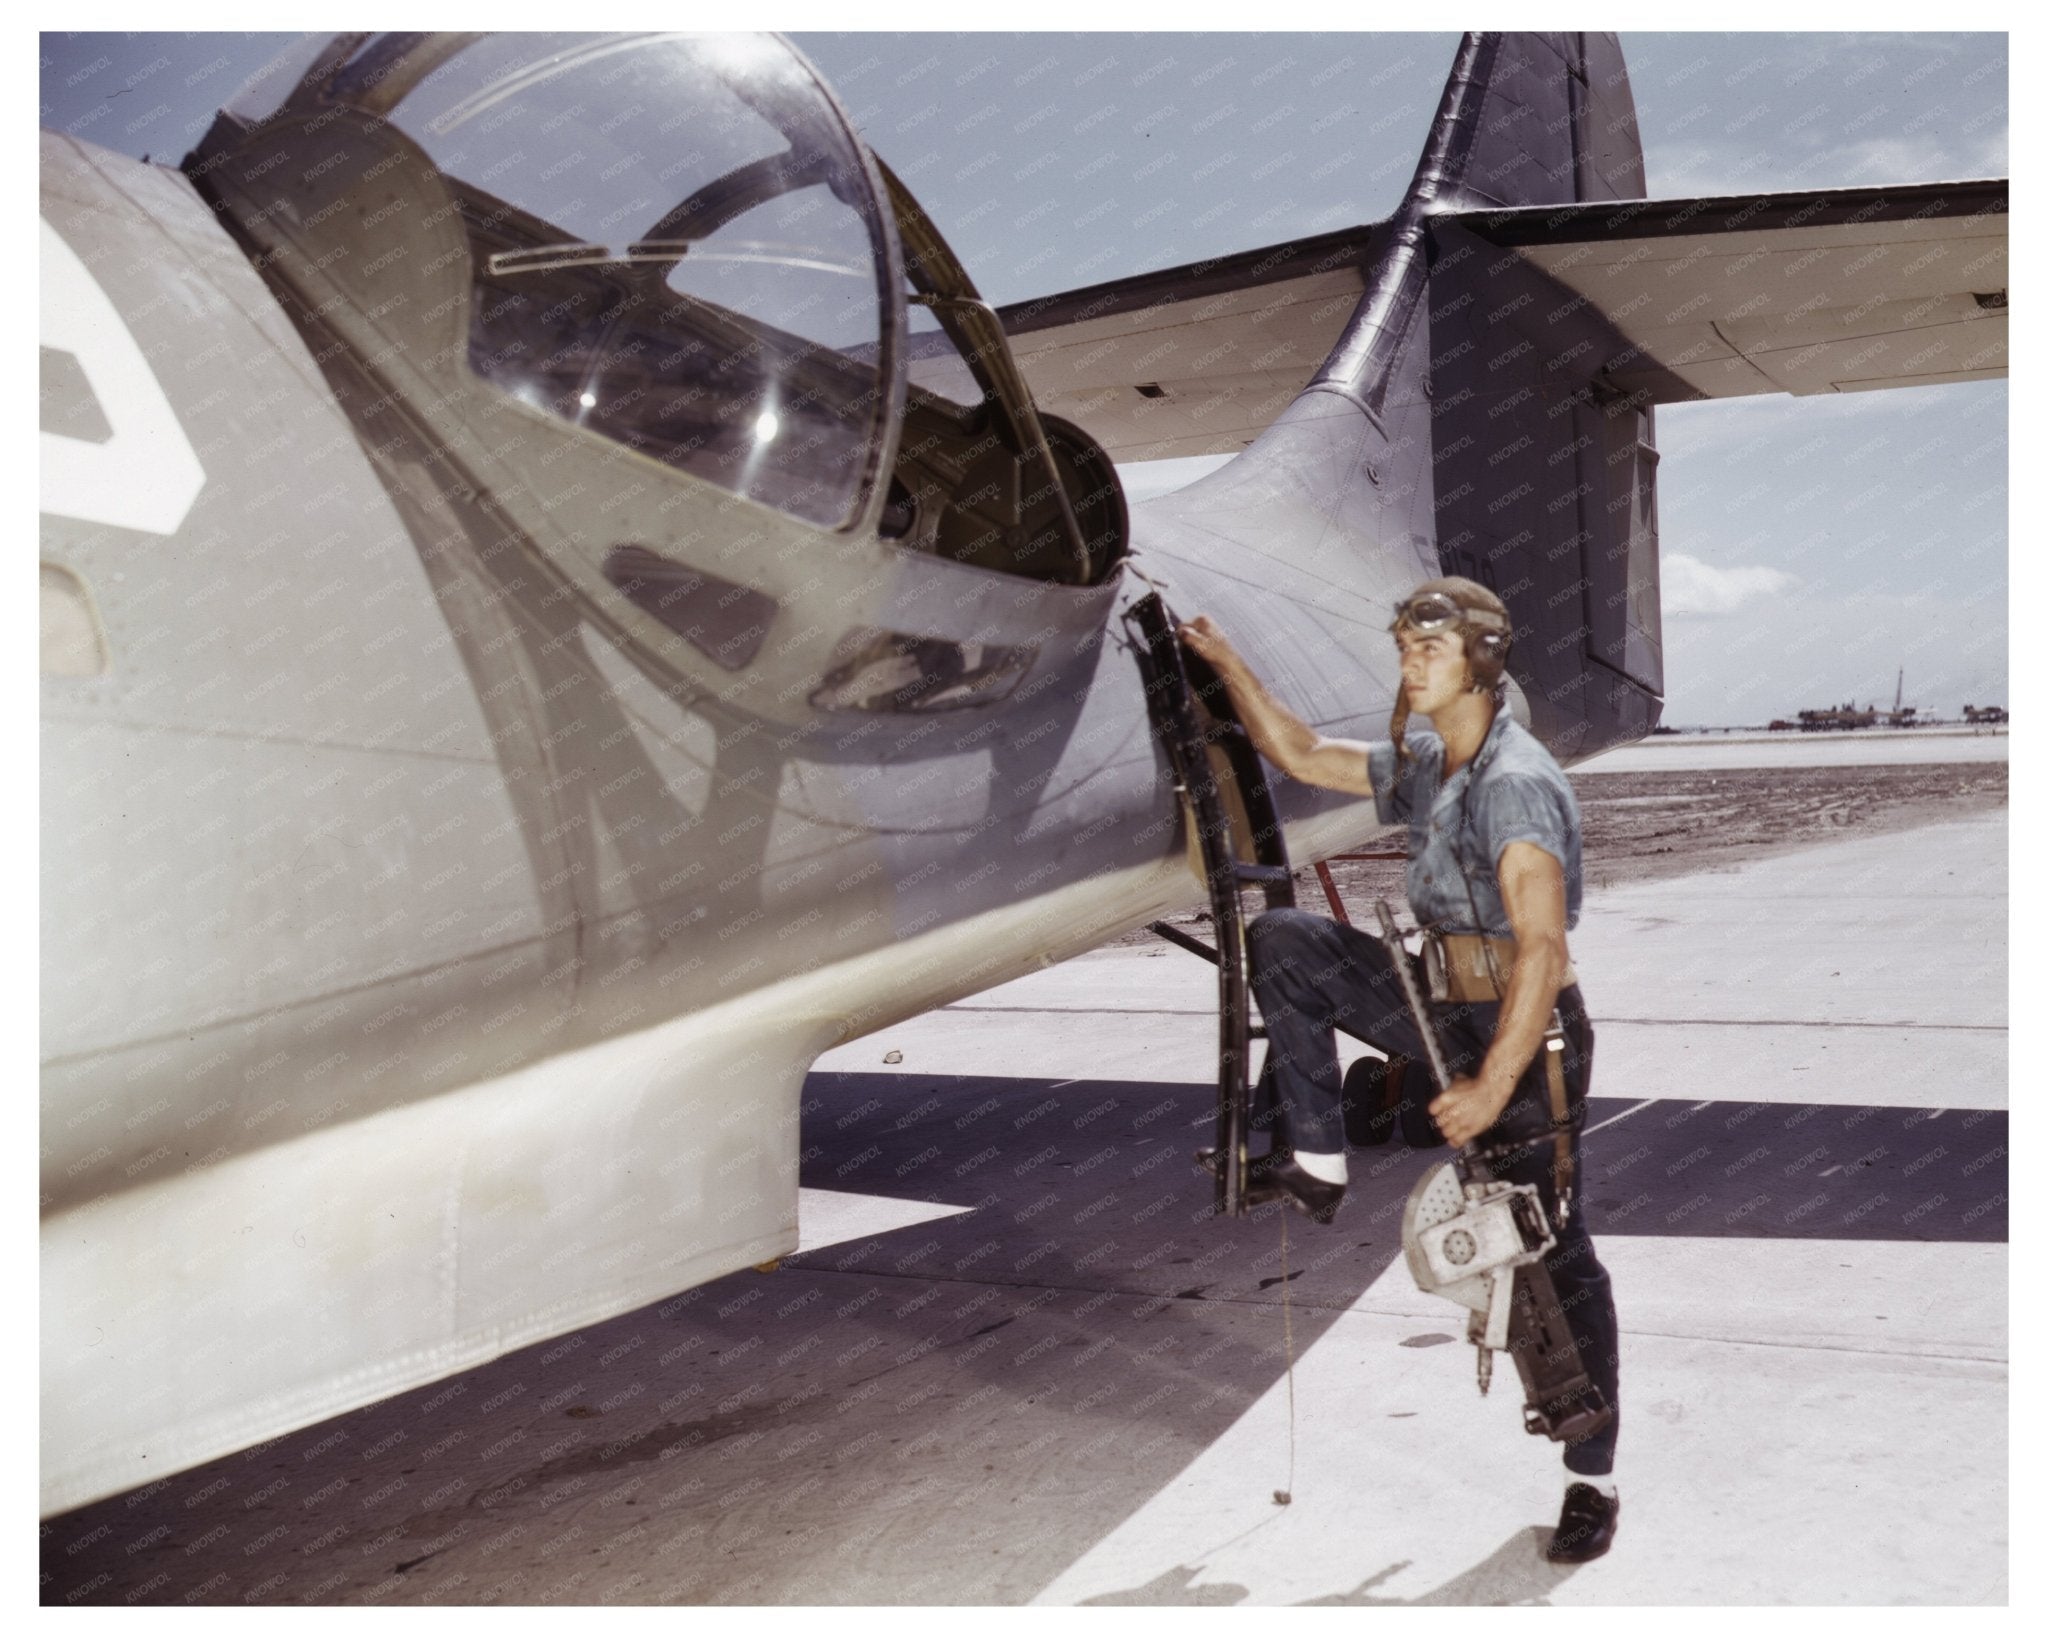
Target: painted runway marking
{"x": 1634, "y": 1109}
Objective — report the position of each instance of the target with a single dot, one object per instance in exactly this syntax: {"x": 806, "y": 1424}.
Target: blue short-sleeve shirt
{"x": 1512, "y": 791}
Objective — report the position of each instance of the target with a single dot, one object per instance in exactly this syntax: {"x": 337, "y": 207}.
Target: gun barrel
{"x": 1439, "y": 1071}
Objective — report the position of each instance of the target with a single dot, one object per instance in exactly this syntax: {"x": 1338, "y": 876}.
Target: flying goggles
{"x": 1430, "y": 612}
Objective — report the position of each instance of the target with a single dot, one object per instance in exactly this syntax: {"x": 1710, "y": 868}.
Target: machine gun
{"x": 1479, "y": 1241}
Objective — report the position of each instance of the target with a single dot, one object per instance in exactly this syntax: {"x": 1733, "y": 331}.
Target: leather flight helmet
{"x": 1454, "y": 603}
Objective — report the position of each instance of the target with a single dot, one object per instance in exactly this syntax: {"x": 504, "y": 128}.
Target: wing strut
{"x": 1194, "y": 728}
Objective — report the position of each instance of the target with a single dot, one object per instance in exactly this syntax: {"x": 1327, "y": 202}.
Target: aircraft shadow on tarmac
{"x": 960, "y": 1410}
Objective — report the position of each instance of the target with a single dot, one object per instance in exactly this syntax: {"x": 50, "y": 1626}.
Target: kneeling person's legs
{"x": 1311, "y": 974}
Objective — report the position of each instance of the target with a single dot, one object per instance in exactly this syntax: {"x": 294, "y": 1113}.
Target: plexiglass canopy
{"x": 675, "y": 242}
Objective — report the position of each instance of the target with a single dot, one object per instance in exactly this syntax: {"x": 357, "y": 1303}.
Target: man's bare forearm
{"x": 1280, "y": 736}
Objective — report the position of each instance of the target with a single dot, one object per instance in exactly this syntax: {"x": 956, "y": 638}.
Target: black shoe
{"x": 1585, "y": 1528}
{"x": 1288, "y": 1181}
{"x": 1278, "y": 1176}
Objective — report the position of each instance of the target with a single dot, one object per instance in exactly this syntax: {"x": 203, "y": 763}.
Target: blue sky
{"x": 1811, "y": 546}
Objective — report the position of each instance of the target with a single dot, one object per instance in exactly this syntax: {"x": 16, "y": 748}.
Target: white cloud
{"x": 1693, "y": 587}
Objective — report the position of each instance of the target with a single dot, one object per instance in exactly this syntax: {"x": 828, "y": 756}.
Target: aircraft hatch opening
{"x": 983, "y": 476}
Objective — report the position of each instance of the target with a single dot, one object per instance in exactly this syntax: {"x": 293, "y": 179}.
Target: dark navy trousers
{"x": 1312, "y": 974}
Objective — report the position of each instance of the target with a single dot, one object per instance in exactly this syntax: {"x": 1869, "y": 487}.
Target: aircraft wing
{"x": 1192, "y": 360}
{"x": 1836, "y": 290}
{"x": 1830, "y": 290}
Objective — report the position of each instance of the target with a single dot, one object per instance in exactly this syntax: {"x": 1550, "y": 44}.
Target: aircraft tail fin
{"x": 1525, "y": 119}
{"x": 1461, "y": 424}
{"x": 1533, "y": 119}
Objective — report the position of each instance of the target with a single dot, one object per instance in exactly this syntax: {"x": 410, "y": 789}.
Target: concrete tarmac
{"x": 1019, "y": 1359}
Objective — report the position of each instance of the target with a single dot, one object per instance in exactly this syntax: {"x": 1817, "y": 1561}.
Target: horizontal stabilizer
{"x": 1832, "y": 290}
{"x": 1839, "y": 290}
{"x": 1193, "y": 360}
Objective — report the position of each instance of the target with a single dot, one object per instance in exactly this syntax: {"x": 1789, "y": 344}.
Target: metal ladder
{"x": 1187, "y": 732}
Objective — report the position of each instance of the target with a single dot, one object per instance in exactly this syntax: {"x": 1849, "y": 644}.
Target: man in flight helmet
{"x": 1494, "y": 878}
